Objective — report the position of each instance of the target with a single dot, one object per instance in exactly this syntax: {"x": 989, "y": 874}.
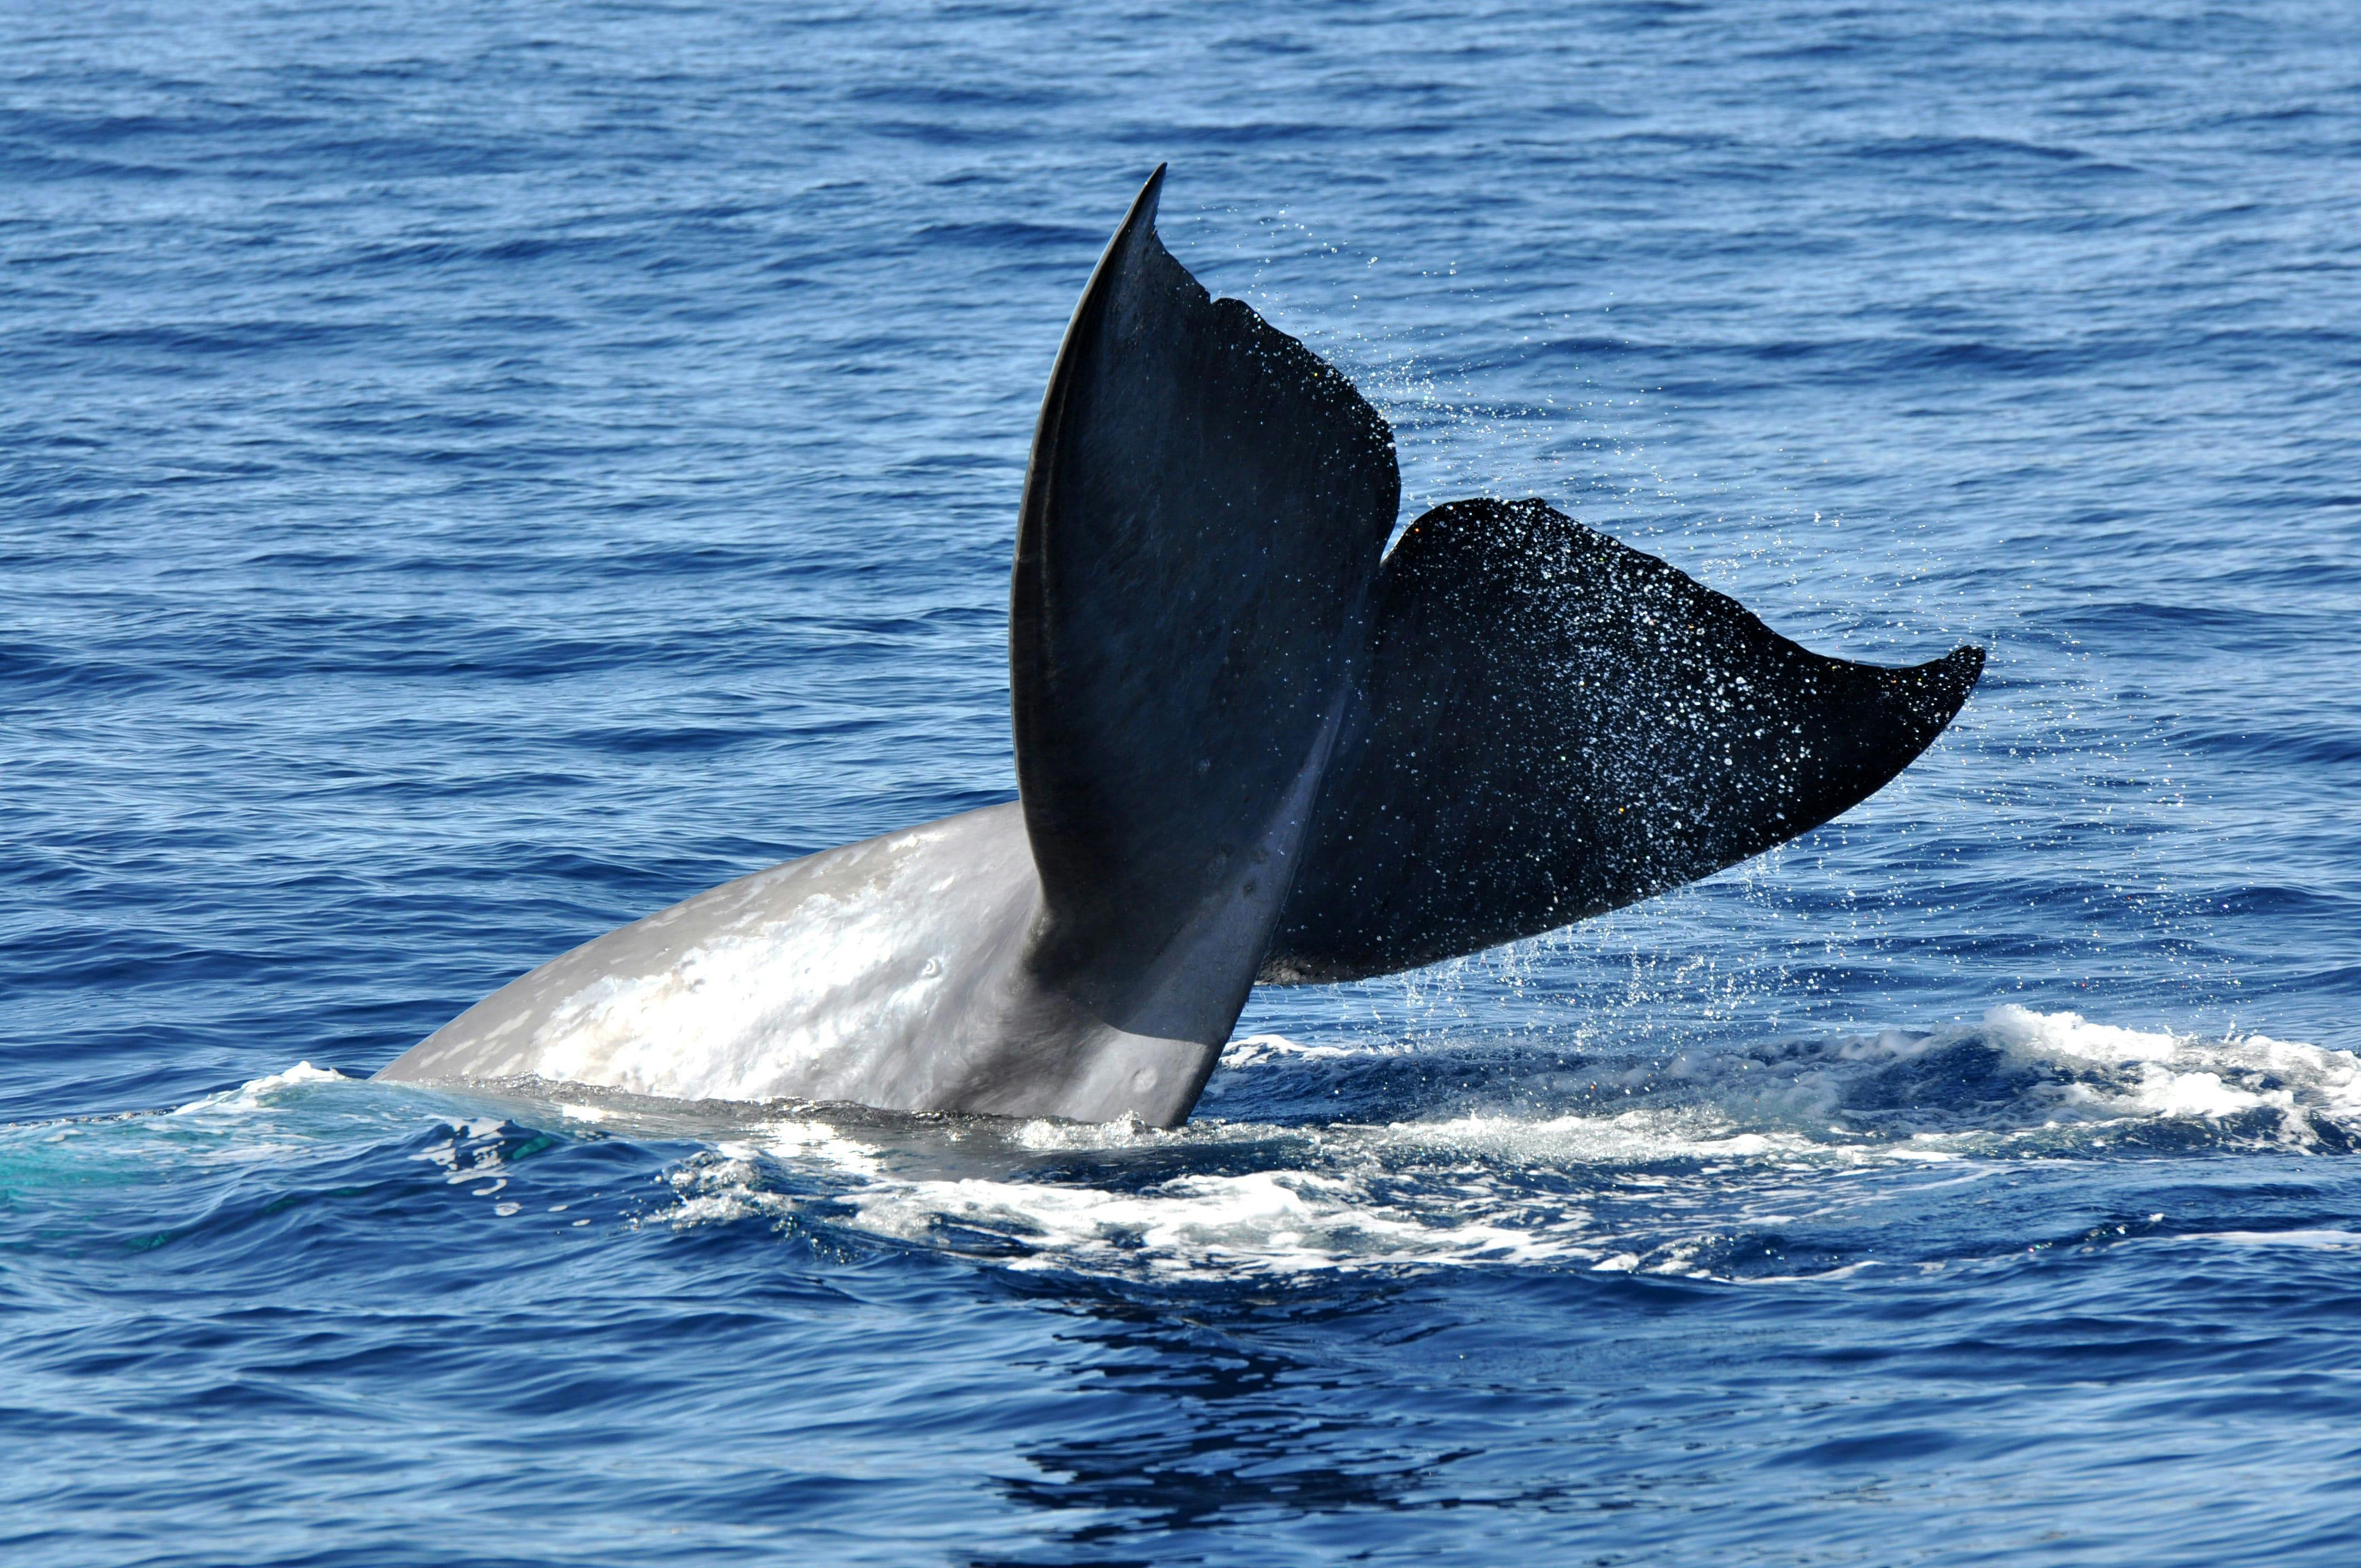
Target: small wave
{"x": 2057, "y": 1080}
{"x": 2311, "y": 1240}
{"x": 257, "y": 1094}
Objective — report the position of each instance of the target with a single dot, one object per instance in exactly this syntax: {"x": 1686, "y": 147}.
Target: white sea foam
{"x": 1255, "y": 1049}
{"x": 807, "y": 1140}
{"x": 256, "y": 1093}
{"x": 2035, "y": 1073}
{"x": 1709, "y": 1143}
{"x": 716, "y": 1189}
{"x": 1468, "y": 1189}
{"x": 2104, "y": 1072}
{"x": 1632, "y": 1138}
{"x": 1262, "y": 1221}
{"x": 2310, "y": 1241}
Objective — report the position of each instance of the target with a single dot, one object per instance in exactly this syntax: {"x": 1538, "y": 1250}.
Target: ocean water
{"x": 473, "y": 474}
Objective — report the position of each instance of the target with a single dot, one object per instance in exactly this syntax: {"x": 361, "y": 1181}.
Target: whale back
{"x": 1554, "y": 724}
{"x": 1203, "y": 519}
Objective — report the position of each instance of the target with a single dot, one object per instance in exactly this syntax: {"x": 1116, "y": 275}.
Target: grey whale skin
{"x": 1250, "y": 744}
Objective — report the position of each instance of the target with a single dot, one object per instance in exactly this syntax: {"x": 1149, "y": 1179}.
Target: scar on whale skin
{"x": 1251, "y": 745}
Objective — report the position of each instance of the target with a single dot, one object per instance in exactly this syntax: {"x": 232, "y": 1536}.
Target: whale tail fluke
{"x": 1553, "y": 724}
{"x": 1511, "y": 723}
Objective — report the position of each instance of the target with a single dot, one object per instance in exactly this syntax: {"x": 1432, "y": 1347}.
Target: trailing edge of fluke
{"x": 1250, "y": 744}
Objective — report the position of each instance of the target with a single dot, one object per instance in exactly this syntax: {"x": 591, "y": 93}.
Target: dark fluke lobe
{"x": 1555, "y": 724}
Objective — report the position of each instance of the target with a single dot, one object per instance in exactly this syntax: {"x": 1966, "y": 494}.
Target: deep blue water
{"x": 472, "y": 474}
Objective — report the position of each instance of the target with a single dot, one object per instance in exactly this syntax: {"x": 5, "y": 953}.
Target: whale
{"x": 1253, "y": 745}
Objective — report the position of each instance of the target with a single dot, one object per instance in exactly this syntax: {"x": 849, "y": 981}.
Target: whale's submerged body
{"x": 1250, "y": 744}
